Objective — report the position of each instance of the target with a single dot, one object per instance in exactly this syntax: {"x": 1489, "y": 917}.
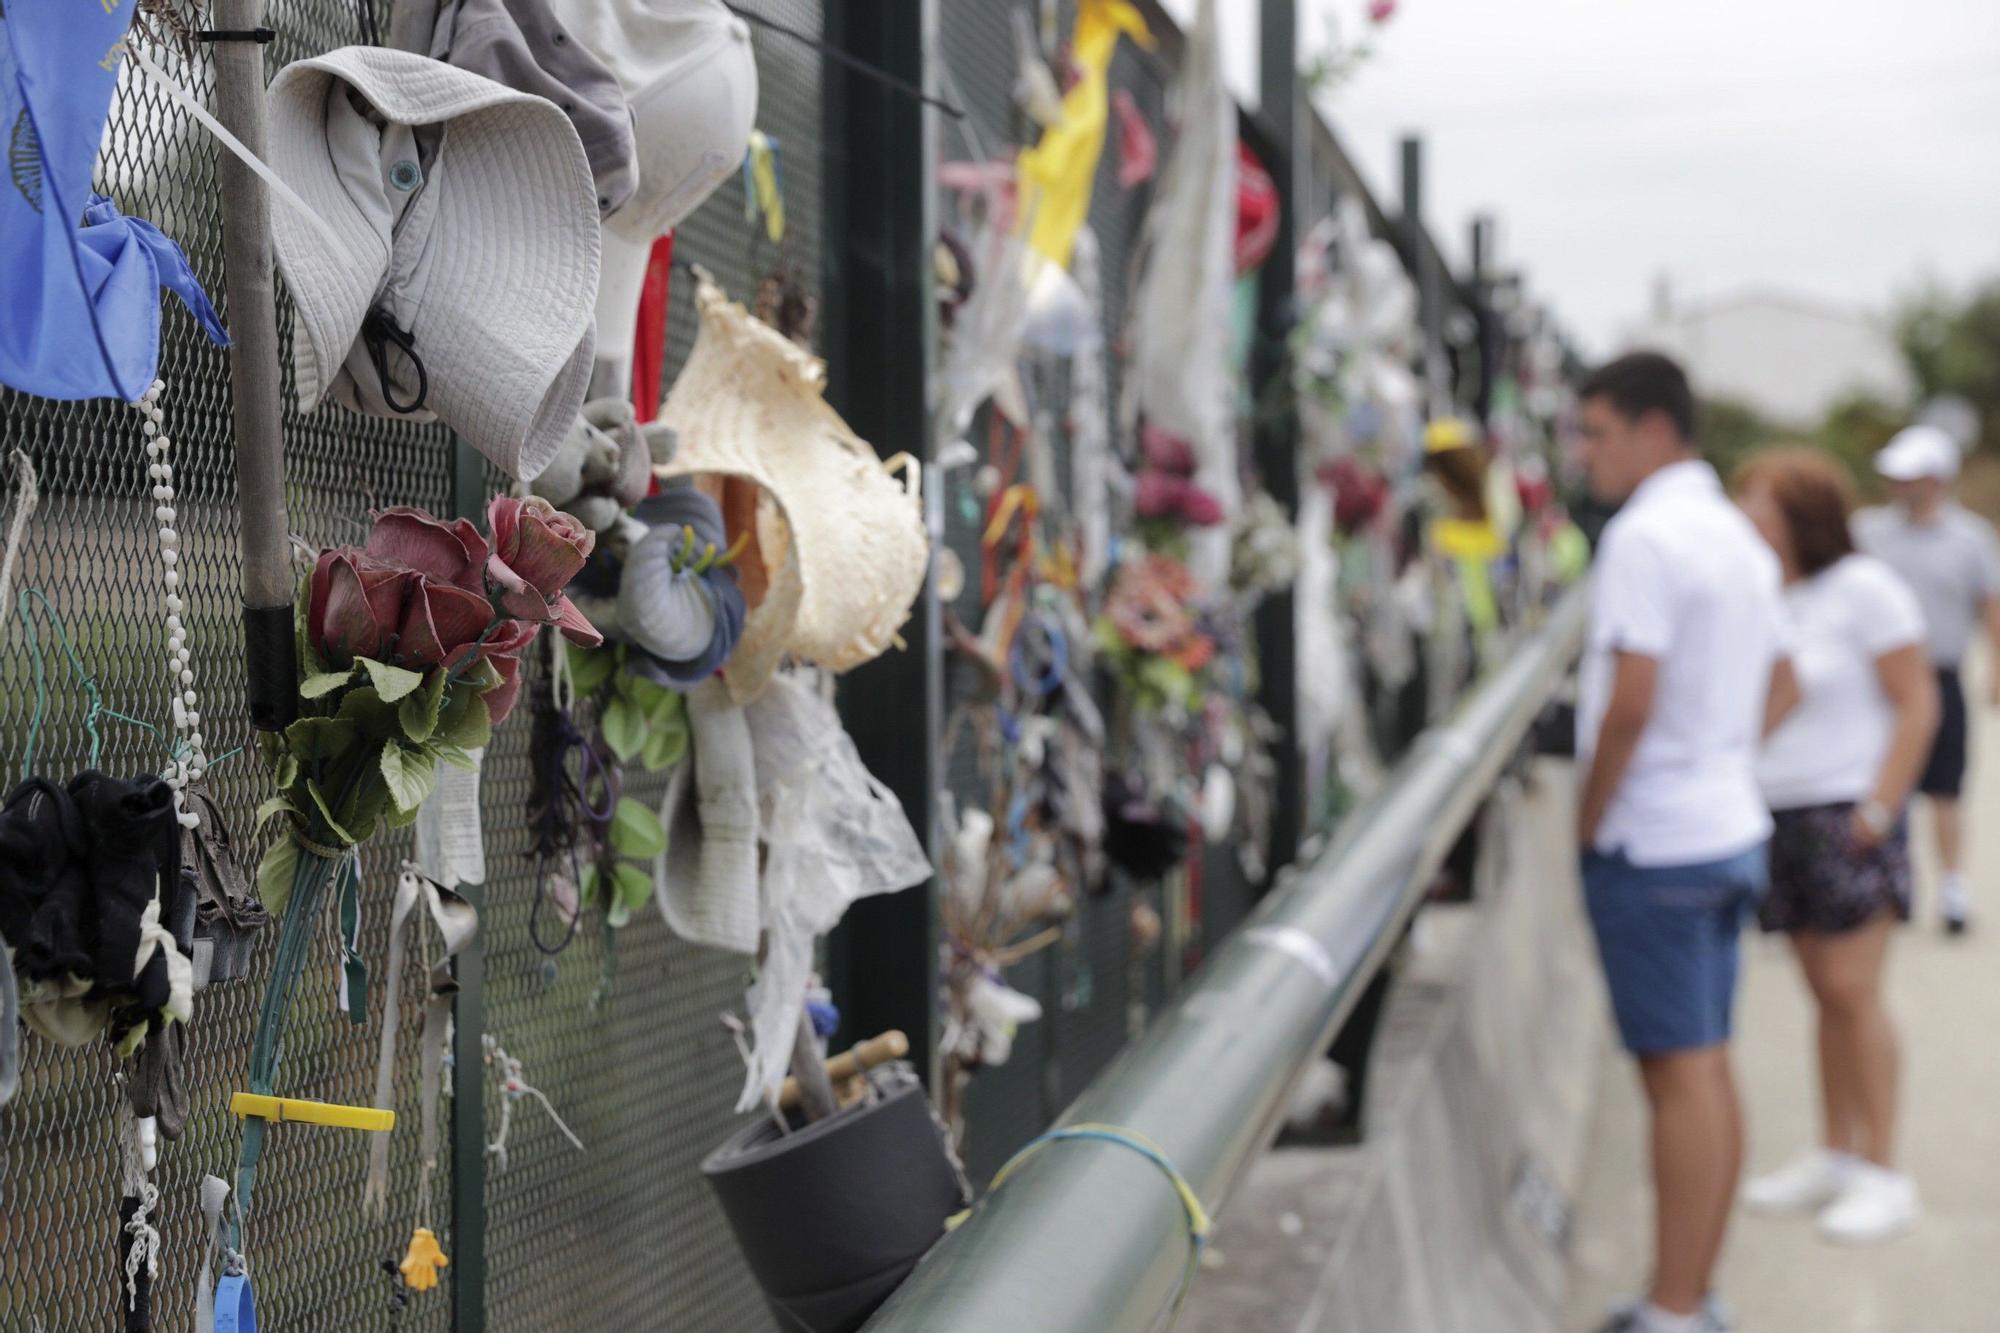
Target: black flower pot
{"x": 833, "y": 1216}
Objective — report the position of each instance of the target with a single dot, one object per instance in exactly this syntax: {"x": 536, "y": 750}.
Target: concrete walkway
{"x": 1777, "y": 1275}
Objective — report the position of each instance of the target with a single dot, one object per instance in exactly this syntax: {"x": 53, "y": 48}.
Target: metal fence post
{"x": 1423, "y": 261}
{"x": 878, "y": 319}
{"x": 468, "y": 1055}
{"x": 1277, "y": 432}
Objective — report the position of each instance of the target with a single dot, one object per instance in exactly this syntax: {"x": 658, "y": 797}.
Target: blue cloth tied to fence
{"x": 82, "y": 281}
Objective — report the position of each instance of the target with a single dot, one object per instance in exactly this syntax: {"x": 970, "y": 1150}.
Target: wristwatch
{"x": 1876, "y": 817}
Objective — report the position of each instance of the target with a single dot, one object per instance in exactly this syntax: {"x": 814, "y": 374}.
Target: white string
{"x": 145, "y": 1251}
{"x": 513, "y": 1087}
{"x": 235, "y": 145}
{"x": 27, "y": 495}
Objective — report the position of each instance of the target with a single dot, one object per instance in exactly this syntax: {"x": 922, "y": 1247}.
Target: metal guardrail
{"x": 1087, "y": 1238}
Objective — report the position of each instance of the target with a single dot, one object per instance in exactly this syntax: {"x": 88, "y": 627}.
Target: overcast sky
{"x": 1824, "y": 147}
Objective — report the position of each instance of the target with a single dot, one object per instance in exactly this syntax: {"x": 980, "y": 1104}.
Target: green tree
{"x": 1730, "y": 432}
{"x": 1952, "y": 345}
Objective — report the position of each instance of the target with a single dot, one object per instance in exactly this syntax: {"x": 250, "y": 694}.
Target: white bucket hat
{"x": 841, "y": 540}
{"x": 690, "y": 75}
{"x": 470, "y": 224}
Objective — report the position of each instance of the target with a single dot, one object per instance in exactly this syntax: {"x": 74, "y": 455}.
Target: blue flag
{"x": 80, "y": 316}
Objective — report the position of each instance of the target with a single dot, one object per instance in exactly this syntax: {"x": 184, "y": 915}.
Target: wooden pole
{"x": 269, "y": 646}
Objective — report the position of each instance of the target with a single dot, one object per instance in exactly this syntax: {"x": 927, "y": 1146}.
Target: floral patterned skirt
{"x": 1822, "y": 880}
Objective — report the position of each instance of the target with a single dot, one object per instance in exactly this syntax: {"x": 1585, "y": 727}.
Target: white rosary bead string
{"x": 190, "y": 759}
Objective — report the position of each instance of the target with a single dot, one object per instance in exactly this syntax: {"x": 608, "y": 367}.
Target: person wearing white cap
{"x": 1951, "y": 560}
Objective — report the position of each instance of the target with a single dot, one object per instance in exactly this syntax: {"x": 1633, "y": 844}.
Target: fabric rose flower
{"x": 453, "y": 552}
{"x": 537, "y": 549}
{"x": 360, "y": 607}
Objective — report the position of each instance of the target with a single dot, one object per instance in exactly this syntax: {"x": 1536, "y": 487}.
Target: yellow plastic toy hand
{"x": 421, "y": 1263}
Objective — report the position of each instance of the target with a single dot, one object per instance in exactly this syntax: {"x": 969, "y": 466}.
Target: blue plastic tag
{"x": 235, "y": 1306}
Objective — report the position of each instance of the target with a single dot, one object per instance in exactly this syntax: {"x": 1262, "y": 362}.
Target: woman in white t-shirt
{"x": 1838, "y": 772}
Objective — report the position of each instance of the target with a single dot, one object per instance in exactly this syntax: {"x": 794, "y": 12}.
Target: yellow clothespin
{"x": 301, "y": 1112}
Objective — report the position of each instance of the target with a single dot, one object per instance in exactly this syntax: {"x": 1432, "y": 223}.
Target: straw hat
{"x": 840, "y": 541}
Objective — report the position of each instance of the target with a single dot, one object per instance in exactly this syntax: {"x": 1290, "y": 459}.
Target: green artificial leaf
{"x": 322, "y": 683}
{"x": 617, "y": 916}
{"x": 285, "y": 772}
{"x": 464, "y": 721}
{"x": 589, "y": 668}
{"x": 631, "y": 888}
{"x": 419, "y": 712}
{"x": 276, "y": 805}
{"x": 586, "y": 888}
{"x": 329, "y": 825}
{"x": 271, "y": 747}
{"x": 455, "y": 756}
{"x": 411, "y": 776}
{"x": 482, "y": 675}
{"x": 318, "y": 741}
{"x": 666, "y": 744}
{"x": 376, "y": 719}
{"x": 392, "y": 682}
{"x": 367, "y": 801}
{"x": 393, "y": 818}
{"x": 624, "y": 728}
{"x": 652, "y": 698}
{"x": 636, "y": 831}
{"x": 274, "y": 873}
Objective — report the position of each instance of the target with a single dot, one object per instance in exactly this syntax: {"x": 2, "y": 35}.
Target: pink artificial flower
{"x": 537, "y": 550}
{"x": 440, "y": 622}
{"x": 355, "y": 606}
{"x": 407, "y": 538}
{"x": 501, "y": 698}
{"x": 1381, "y": 11}
{"x": 1158, "y": 495}
{"x": 1198, "y": 508}
{"x": 1166, "y": 451}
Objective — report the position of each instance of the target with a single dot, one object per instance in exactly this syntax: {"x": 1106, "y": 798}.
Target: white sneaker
{"x": 1811, "y": 1181}
{"x": 1877, "y": 1205}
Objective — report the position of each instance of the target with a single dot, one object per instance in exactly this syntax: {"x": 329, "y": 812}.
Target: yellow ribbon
{"x": 1057, "y": 173}
{"x": 764, "y": 194}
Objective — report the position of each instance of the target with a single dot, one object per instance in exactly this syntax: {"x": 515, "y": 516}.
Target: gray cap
{"x": 520, "y": 45}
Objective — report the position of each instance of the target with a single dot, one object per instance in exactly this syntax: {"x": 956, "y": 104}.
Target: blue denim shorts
{"x": 1668, "y": 939}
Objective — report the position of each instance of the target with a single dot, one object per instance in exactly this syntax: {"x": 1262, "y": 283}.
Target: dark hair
{"x": 1642, "y": 382}
{"x": 1814, "y": 496}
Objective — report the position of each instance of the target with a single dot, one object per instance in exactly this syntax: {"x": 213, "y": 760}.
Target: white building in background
{"x": 1790, "y": 357}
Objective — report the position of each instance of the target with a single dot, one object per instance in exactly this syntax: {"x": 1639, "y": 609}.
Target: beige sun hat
{"x": 840, "y": 539}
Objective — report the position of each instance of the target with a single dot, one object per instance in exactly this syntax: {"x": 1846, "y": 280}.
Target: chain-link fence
{"x": 620, "y": 1235}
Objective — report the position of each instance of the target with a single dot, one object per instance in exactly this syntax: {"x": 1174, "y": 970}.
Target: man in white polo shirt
{"x": 1682, "y": 673}
{"x": 1951, "y": 560}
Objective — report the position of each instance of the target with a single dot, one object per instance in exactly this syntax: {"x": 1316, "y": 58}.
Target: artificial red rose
{"x": 501, "y": 698}
{"x": 1166, "y": 451}
{"x": 355, "y": 606}
{"x": 574, "y": 625}
{"x": 1158, "y": 495}
{"x": 439, "y": 622}
{"x": 537, "y": 549}
{"x": 451, "y": 552}
{"x": 1199, "y": 508}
